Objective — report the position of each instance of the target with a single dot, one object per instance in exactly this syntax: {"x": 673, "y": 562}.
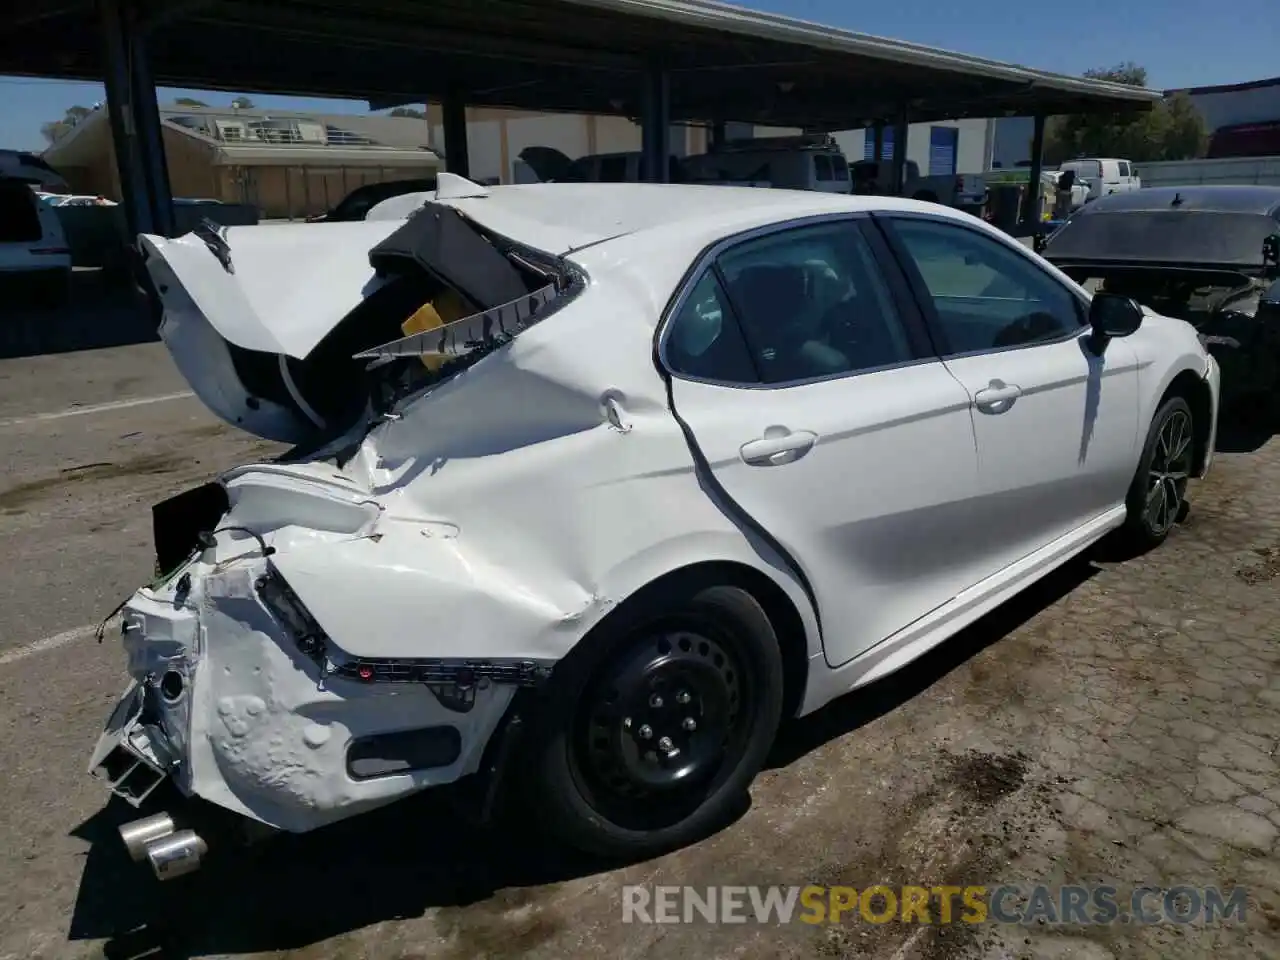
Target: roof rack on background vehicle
{"x": 804, "y": 141}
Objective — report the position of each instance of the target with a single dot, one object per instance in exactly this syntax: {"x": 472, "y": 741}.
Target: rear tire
{"x": 1157, "y": 497}
{"x": 653, "y": 727}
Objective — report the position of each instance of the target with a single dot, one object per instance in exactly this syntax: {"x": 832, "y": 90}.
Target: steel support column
{"x": 717, "y": 134}
{"x": 456, "y": 158}
{"x": 150, "y": 137}
{"x": 117, "y": 76}
{"x": 900, "y": 134}
{"x": 655, "y": 130}
{"x": 877, "y": 142}
{"x": 1031, "y": 208}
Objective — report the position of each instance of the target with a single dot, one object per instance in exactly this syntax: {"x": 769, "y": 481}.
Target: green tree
{"x": 407, "y": 112}
{"x": 242, "y": 103}
{"x": 1171, "y": 130}
{"x": 55, "y": 130}
{"x": 190, "y": 102}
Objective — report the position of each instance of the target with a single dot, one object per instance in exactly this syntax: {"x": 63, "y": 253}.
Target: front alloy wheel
{"x": 1168, "y": 473}
{"x": 1157, "y": 496}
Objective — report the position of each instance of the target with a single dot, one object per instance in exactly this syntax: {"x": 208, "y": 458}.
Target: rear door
{"x": 805, "y": 378}
{"x": 31, "y": 236}
{"x": 1056, "y": 424}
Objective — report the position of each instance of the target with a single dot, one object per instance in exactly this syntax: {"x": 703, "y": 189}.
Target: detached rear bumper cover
{"x": 231, "y": 704}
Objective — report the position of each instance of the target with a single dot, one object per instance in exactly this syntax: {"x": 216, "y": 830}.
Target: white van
{"x": 792, "y": 163}
{"x": 1103, "y": 175}
{"x": 33, "y": 247}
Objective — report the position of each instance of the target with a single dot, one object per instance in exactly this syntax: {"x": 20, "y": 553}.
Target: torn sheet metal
{"x": 470, "y": 333}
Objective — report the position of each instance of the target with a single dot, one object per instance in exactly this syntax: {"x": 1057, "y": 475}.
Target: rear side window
{"x": 822, "y": 167}
{"x": 705, "y": 341}
{"x": 19, "y": 218}
{"x": 812, "y": 304}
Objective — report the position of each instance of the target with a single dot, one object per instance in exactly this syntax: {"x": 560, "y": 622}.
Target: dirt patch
{"x": 985, "y": 777}
{"x": 15, "y": 498}
{"x": 1267, "y": 569}
{"x": 954, "y": 833}
{"x": 510, "y": 924}
{"x": 208, "y": 430}
{"x": 124, "y": 385}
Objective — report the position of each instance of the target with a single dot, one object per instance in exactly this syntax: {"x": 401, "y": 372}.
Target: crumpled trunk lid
{"x": 268, "y": 322}
{"x": 239, "y": 303}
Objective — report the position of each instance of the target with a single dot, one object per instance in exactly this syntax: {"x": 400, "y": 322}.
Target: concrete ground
{"x": 1118, "y": 724}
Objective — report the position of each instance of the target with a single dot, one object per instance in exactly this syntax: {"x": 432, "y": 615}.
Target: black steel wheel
{"x": 657, "y": 722}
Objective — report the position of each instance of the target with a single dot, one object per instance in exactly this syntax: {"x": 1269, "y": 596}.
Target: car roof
{"x": 561, "y": 217}
{"x": 1219, "y": 198}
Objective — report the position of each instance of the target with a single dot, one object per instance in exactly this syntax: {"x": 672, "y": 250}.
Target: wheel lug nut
{"x": 665, "y": 745}
{"x": 655, "y": 701}
{"x": 683, "y": 697}
{"x": 645, "y": 731}
{"x": 690, "y": 724}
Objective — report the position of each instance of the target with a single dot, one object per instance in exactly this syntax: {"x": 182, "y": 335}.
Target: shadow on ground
{"x": 99, "y": 312}
{"x": 290, "y": 892}
{"x": 1244, "y": 431}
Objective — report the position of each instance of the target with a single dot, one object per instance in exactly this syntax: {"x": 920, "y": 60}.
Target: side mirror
{"x": 1111, "y": 315}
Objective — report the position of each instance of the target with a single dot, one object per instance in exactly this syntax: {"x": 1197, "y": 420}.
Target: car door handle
{"x": 773, "y": 450}
{"x": 997, "y": 397}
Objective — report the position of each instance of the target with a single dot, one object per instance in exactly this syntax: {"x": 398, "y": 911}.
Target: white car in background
{"x": 595, "y": 483}
{"x": 33, "y": 247}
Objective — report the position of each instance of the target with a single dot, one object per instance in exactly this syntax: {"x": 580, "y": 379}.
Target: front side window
{"x": 984, "y": 295}
{"x": 812, "y": 303}
{"x": 822, "y": 166}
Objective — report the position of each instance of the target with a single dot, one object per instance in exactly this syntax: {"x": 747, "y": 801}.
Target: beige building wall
{"x": 496, "y": 136}
{"x": 279, "y": 192}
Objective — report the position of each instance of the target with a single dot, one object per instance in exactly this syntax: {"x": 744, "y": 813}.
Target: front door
{"x": 823, "y": 418}
{"x": 1056, "y": 423}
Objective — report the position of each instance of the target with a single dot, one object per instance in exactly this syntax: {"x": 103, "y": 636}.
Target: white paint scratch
{"x": 96, "y": 408}
{"x": 905, "y": 950}
{"x": 48, "y": 643}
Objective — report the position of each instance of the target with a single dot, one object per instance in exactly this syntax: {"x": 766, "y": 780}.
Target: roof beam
{"x": 370, "y": 34}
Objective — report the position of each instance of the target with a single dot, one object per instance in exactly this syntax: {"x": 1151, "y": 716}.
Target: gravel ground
{"x": 1117, "y": 724}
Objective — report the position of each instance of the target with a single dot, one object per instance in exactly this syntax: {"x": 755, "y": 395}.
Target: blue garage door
{"x": 942, "y": 150}
{"x": 869, "y": 145}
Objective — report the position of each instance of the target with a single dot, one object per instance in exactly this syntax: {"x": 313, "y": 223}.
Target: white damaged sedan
{"x": 595, "y": 483}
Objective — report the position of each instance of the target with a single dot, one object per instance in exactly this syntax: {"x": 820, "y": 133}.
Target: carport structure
{"x": 660, "y": 61}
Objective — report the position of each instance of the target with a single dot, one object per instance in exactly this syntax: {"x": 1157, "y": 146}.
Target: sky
{"x": 1182, "y": 43}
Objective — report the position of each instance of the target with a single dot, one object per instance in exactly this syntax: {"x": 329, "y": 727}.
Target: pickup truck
{"x": 949, "y": 189}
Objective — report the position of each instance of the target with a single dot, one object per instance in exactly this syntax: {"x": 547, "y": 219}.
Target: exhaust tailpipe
{"x": 170, "y": 852}
{"x": 176, "y": 854}
{"x": 138, "y": 833}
